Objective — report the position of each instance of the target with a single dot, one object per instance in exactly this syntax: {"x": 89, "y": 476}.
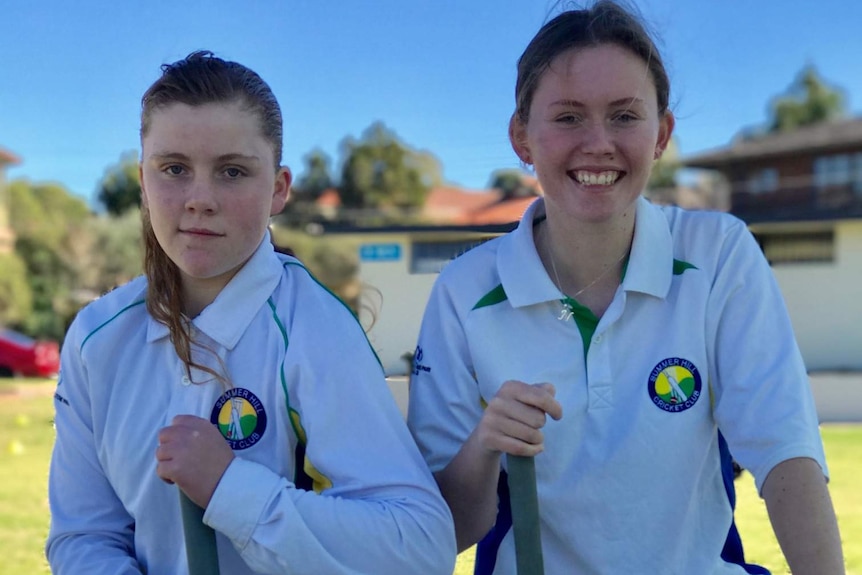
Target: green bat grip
{"x": 201, "y": 551}
{"x": 525, "y": 515}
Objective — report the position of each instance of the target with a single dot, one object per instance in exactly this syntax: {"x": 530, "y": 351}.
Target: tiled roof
{"x": 7, "y": 157}
{"x": 502, "y": 212}
{"x": 449, "y": 204}
{"x": 329, "y": 198}
{"x": 812, "y": 138}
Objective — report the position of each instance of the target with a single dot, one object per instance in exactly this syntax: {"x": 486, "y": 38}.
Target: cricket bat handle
{"x": 525, "y": 515}
{"x": 201, "y": 550}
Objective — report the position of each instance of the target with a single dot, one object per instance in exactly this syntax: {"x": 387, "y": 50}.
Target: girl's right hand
{"x": 513, "y": 420}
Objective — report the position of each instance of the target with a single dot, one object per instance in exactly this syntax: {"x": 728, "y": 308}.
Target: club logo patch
{"x": 674, "y": 385}
{"x": 240, "y": 417}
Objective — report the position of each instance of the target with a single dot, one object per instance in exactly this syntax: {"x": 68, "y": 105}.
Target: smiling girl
{"x": 655, "y": 339}
{"x": 228, "y": 371}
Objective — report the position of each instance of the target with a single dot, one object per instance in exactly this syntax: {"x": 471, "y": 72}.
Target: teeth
{"x": 596, "y": 179}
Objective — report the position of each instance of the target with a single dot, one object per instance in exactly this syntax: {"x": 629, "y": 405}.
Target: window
{"x": 763, "y": 181}
{"x": 835, "y": 170}
{"x": 857, "y": 174}
{"x": 798, "y": 247}
{"x": 431, "y": 257}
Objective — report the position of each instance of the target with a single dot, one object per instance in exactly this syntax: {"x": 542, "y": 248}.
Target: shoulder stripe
{"x": 300, "y": 434}
{"x": 680, "y": 266}
{"x": 493, "y": 297}
{"x": 339, "y": 300}
{"x": 305, "y": 474}
{"x": 115, "y": 316}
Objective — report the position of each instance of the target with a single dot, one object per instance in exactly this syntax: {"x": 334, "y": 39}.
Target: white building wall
{"x": 397, "y": 295}
{"x": 825, "y": 303}
{"x": 398, "y": 306}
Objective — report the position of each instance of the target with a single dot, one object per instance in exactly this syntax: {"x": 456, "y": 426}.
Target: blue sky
{"x": 440, "y": 73}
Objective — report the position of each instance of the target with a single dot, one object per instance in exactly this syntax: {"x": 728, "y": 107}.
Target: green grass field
{"x": 26, "y": 421}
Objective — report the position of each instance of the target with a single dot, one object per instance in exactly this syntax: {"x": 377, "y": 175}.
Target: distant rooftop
{"x": 813, "y": 138}
{"x": 7, "y": 157}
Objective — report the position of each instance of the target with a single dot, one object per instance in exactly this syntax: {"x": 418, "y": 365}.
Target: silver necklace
{"x": 567, "y": 312}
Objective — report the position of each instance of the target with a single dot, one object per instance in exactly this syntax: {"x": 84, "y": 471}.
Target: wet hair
{"x": 606, "y": 22}
{"x": 198, "y": 79}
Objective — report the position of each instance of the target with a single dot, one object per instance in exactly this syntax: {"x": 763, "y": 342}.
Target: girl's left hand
{"x": 194, "y": 455}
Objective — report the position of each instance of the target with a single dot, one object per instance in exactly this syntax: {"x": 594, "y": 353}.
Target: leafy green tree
{"x": 51, "y": 278}
{"x": 120, "y": 188}
{"x": 380, "y": 171}
{"x": 118, "y": 251}
{"x": 48, "y": 222}
{"x": 512, "y": 184}
{"x": 305, "y": 190}
{"x": 16, "y": 300}
{"x": 108, "y": 252}
{"x": 664, "y": 172}
{"x": 315, "y": 179}
{"x": 808, "y": 100}
{"x": 46, "y": 211}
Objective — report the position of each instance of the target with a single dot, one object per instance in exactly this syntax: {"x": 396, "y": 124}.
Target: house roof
{"x": 813, "y": 138}
{"x": 7, "y": 157}
{"x": 348, "y": 228}
{"x": 329, "y": 198}
{"x": 448, "y": 203}
{"x": 502, "y": 212}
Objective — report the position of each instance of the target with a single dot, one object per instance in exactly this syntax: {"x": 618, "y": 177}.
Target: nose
{"x": 200, "y": 196}
{"x": 597, "y": 139}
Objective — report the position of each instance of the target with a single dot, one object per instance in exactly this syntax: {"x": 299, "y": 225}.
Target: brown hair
{"x": 605, "y": 23}
{"x": 200, "y": 78}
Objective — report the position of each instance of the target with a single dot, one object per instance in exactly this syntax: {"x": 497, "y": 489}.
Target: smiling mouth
{"x": 603, "y": 178}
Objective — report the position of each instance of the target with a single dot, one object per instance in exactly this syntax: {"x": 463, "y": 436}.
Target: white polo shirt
{"x": 696, "y": 339}
{"x": 300, "y": 366}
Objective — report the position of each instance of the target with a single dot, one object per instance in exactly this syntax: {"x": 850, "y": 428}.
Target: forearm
{"x": 278, "y": 528}
{"x": 90, "y": 553}
{"x": 803, "y": 517}
{"x": 469, "y": 486}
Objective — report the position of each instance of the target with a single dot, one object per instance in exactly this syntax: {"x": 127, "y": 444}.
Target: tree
{"x": 51, "y": 278}
{"x": 48, "y": 222}
{"x": 16, "y": 300}
{"x": 110, "y": 253}
{"x": 512, "y": 184}
{"x": 315, "y": 179}
{"x": 664, "y": 171}
{"x": 380, "y": 171}
{"x": 120, "y": 188}
{"x": 46, "y": 211}
{"x": 808, "y": 100}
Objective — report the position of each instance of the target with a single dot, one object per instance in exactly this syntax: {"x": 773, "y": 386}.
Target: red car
{"x": 21, "y": 355}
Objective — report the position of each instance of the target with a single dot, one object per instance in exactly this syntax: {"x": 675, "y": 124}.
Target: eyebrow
{"x": 576, "y": 104}
{"x": 177, "y": 156}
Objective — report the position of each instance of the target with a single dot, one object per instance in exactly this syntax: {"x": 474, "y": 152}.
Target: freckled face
{"x": 593, "y": 131}
{"x": 210, "y": 184}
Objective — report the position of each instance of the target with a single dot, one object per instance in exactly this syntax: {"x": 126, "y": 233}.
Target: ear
{"x": 518, "y": 139}
{"x": 665, "y": 131}
{"x": 281, "y": 190}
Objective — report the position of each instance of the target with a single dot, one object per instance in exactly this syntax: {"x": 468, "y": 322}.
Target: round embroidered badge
{"x": 674, "y": 385}
{"x": 239, "y": 416}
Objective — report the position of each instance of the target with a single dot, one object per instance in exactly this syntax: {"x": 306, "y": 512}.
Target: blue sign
{"x": 380, "y": 252}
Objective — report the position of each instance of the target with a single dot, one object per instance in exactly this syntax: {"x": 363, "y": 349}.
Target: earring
{"x": 658, "y": 153}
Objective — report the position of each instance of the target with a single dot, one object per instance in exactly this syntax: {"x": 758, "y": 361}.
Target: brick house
{"x": 800, "y": 192}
